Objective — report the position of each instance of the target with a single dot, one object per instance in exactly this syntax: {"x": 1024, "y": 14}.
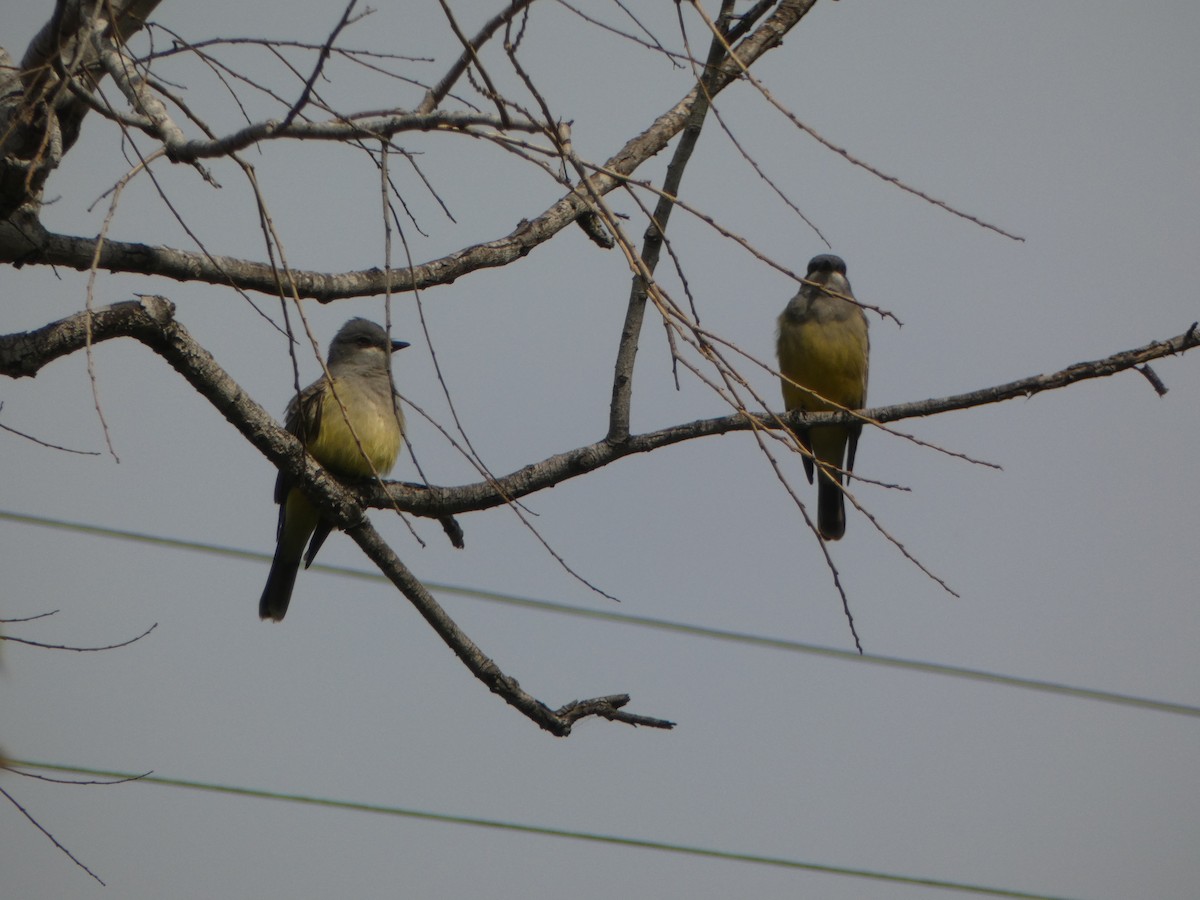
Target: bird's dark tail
{"x": 831, "y": 506}
{"x": 278, "y": 593}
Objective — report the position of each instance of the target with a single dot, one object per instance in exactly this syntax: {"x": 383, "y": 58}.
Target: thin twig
{"x": 38, "y": 825}
{"x": 470, "y": 54}
{"x": 319, "y": 67}
{"x": 40, "y": 442}
{"x": 91, "y": 783}
{"x": 9, "y": 637}
{"x": 34, "y": 618}
{"x": 844, "y": 153}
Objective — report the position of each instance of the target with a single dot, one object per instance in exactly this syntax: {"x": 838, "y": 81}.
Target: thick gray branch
{"x": 440, "y": 501}
{"x": 39, "y": 117}
{"x": 24, "y": 354}
{"x": 78, "y": 252}
{"x": 150, "y": 320}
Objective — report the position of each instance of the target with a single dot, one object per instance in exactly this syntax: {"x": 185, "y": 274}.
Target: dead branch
{"x": 635, "y": 311}
{"x": 29, "y": 643}
{"x": 30, "y": 243}
{"x": 151, "y": 321}
{"x": 438, "y": 501}
{"x": 24, "y": 354}
{"x": 40, "y": 117}
{"x": 38, "y": 825}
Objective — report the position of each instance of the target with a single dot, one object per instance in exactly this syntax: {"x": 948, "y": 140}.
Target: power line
{"x": 447, "y": 818}
{"x": 719, "y": 634}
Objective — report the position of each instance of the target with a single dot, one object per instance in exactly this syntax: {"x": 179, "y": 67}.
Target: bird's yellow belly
{"x": 828, "y": 359}
{"x": 375, "y": 426}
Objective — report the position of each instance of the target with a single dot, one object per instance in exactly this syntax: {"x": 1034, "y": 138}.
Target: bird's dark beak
{"x": 399, "y": 345}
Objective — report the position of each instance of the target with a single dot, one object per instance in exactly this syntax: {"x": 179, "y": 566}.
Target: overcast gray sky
{"x": 1073, "y": 124}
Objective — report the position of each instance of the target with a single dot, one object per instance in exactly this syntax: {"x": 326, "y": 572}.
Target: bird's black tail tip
{"x": 831, "y": 511}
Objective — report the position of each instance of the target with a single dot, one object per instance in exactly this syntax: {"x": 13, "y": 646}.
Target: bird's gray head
{"x": 826, "y": 262}
{"x": 360, "y": 342}
{"x": 829, "y": 270}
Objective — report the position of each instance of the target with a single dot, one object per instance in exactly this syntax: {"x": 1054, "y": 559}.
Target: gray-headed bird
{"x": 823, "y": 348}
{"x": 360, "y": 410}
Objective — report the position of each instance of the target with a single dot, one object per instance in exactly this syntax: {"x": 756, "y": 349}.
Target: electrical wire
{"x": 754, "y": 640}
{"x": 545, "y": 831}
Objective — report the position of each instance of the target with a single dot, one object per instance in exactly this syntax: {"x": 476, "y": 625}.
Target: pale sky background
{"x": 1074, "y": 124}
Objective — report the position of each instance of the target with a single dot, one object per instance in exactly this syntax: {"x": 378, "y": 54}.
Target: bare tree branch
{"x": 150, "y": 320}
{"x": 436, "y": 501}
{"x": 126, "y": 643}
{"x": 635, "y": 311}
{"x": 470, "y": 53}
{"x": 38, "y": 825}
{"x": 24, "y": 354}
{"x": 30, "y": 437}
{"x": 30, "y": 244}
{"x": 39, "y": 117}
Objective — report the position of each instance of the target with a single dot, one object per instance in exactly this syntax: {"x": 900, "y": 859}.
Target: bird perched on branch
{"x": 823, "y": 348}
{"x": 350, "y": 421}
